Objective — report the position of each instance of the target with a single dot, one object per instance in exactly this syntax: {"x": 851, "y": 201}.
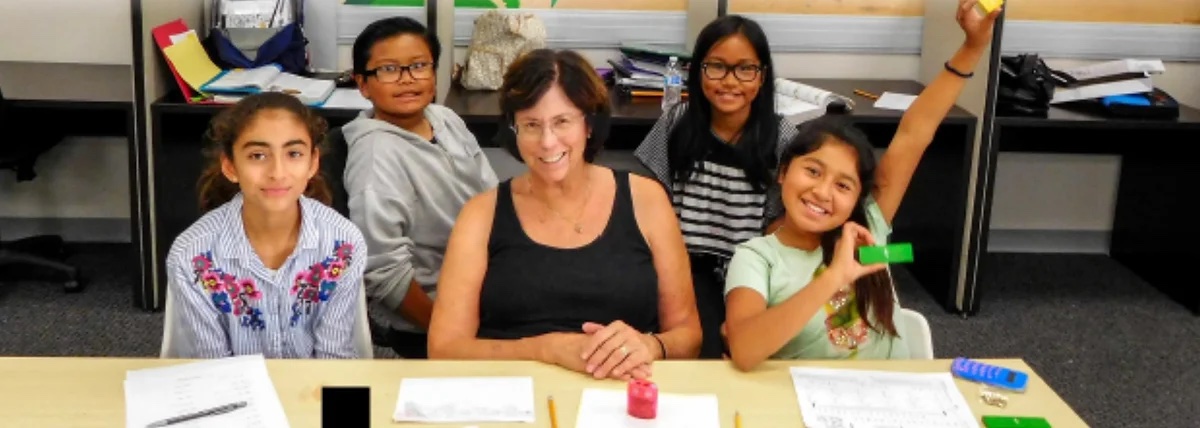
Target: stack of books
{"x": 1122, "y": 88}
{"x": 1121, "y": 77}
{"x": 643, "y": 66}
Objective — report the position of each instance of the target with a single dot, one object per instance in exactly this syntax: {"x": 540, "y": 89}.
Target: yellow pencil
{"x": 737, "y": 419}
{"x": 553, "y": 413}
{"x": 863, "y": 93}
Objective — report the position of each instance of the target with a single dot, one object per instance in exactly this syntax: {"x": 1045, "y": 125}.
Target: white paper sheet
{"x": 155, "y": 394}
{"x": 895, "y": 101}
{"x": 833, "y": 398}
{"x": 807, "y": 93}
{"x": 465, "y": 399}
{"x": 796, "y": 109}
{"x": 310, "y": 91}
{"x": 607, "y": 408}
{"x": 348, "y": 99}
{"x": 175, "y": 38}
{"x": 258, "y": 77}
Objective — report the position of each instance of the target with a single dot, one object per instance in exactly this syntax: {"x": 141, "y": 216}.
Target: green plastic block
{"x": 891, "y": 253}
{"x": 1015, "y": 422}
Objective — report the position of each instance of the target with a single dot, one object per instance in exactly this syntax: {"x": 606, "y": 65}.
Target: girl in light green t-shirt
{"x": 799, "y": 292}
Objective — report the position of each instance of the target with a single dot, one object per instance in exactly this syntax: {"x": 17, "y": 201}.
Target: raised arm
{"x": 926, "y": 113}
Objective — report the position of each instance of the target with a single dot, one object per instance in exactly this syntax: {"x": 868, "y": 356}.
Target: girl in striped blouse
{"x": 270, "y": 268}
{"x": 716, "y": 156}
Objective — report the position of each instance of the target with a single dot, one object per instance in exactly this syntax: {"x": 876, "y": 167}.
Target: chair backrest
{"x": 362, "y": 329}
{"x": 333, "y": 165}
{"x": 914, "y": 330}
{"x": 168, "y": 327}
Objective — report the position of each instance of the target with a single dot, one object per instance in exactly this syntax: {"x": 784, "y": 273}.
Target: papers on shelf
{"x": 894, "y": 101}
{"x": 800, "y": 102}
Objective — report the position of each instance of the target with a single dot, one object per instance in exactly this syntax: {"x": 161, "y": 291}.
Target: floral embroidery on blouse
{"x": 229, "y": 294}
{"x": 317, "y": 283}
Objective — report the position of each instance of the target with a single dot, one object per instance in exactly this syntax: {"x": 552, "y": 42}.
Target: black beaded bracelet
{"x": 661, "y": 345}
{"x": 958, "y": 73}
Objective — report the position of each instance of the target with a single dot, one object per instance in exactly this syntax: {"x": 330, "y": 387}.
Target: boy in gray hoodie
{"x": 411, "y": 166}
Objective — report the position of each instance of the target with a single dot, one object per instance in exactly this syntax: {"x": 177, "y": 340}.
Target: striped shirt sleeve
{"x": 198, "y": 327}
{"x": 652, "y": 152}
{"x": 333, "y": 332}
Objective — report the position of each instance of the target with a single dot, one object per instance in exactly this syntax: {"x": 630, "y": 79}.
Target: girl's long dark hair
{"x": 213, "y": 188}
{"x": 873, "y": 292}
{"x": 692, "y": 138}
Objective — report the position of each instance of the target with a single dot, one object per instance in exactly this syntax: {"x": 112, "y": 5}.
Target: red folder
{"x": 162, "y": 37}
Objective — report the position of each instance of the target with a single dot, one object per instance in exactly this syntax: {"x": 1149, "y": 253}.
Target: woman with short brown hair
{"x": 570, "y": 263}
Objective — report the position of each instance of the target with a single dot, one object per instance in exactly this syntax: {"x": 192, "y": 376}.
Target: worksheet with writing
{"x": 836, "y": 398}
{"x": 157, "y": 394}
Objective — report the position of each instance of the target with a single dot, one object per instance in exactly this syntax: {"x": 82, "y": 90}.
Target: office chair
{"x": 37, "y": 251}
{"x": 914, "y": 330}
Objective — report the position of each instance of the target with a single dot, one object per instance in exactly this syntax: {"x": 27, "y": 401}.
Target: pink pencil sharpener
{"x": 643, "y": 399}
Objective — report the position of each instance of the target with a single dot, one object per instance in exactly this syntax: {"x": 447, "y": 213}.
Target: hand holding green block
{"x": 891, "y": 253}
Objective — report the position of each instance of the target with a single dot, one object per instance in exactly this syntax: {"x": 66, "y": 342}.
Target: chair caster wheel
{"x": 73, "y": 286}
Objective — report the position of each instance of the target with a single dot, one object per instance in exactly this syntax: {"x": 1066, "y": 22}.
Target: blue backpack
{"x": 233, "y": 47}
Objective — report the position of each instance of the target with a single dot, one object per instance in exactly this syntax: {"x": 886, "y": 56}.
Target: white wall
{"x": 66, "y": 31}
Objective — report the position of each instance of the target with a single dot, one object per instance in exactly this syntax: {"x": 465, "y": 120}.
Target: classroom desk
{"x": 1150, "y": 233}
{"x": 102, "y": 115}
{"x": 932, "y": 217}
{"x": 177, "y": 146}
{"x": 88, "y": 392}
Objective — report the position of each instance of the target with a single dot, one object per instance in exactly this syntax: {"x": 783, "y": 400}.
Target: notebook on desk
{"x": 202, "y": 82}
{"x": 270, "y": 78}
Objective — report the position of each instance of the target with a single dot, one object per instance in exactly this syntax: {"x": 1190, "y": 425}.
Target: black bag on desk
{"x": 232, "y": 47}
{"x": 1025, "y": 88}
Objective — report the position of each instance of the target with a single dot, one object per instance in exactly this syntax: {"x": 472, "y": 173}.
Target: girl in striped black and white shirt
{"x": 717, "y": 154}
{"x": 270, "y": 268}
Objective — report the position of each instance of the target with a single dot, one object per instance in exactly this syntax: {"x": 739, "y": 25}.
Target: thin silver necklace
{"x": 578, "y": 225}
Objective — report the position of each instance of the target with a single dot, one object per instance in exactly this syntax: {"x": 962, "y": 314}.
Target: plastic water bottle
{"x": 672, "y": 84}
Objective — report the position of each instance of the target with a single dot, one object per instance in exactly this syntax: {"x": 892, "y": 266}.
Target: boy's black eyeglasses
{"x": 389, "y": 73}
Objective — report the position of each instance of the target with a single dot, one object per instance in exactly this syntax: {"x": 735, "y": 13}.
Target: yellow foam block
{"x": 987, "y": 6}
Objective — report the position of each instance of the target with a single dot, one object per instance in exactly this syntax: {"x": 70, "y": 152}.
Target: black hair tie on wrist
{"x": 661, "y": 345}
{"x": 958, "y": 73}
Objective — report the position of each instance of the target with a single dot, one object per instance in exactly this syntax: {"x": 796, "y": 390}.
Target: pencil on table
{"x": 553, "y": 413}
{"x": 737, "y": 419}
{"x": 866, "y": 94}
